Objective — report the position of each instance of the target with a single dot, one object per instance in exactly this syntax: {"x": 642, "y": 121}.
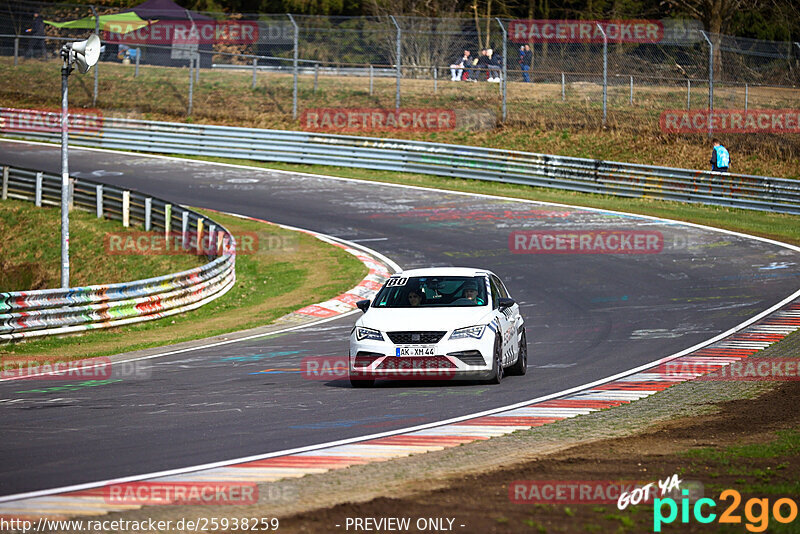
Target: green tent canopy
{"x": 120, "y": 23}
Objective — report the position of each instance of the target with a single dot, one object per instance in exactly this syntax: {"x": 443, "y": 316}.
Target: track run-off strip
{"x": 732, "y": 349}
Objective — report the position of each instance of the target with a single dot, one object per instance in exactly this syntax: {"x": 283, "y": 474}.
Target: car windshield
{"x": 435, "y": 291}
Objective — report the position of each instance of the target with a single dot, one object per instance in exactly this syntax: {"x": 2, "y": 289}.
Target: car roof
{"x": 444, "y": 271}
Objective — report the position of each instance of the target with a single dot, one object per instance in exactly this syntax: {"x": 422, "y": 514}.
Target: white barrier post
{"x": 138, "y": 55}
{"x": 199, "y": 239}
{"x": 16, "y": 50}
{"x": 211, "y": 230}
{"x": 126, "y": 208}
{"x": 148, "y": 211}
{"x": 255, "y": 68}
{"x": 370, "y": 80}
{"x": 38, "y": 190}
{"x": 167, "y": 223}
{"x": 563, "y": 89}
{"x": 99, "y": 200}
{"x": 184, "y": 229}
{"x": 5, "y": 183}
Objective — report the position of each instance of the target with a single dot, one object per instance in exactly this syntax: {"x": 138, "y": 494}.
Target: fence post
{"x": 631, "y": 99}
{"x": 212, "y": 230}
{"x": 435, "y": 80}
{"x": 688, "y": 94}
{"x": 16, "y": 50}
{"x": 563, "y": 89}
{"x": 96, "y": 70}
{"x": 138, "y": 55}
{"x": 605, "y": 71}
{"x": 710, "y": 83}
{"x": 167, "y": 222}
{"x": 38, "y": 196}
{"x": 397, "y": 62}
{"x": 4, "y": 195}
{"x": 184, "y": 228}
{"x": 746, "y": 96}
{"x": 294, "y": 65}
{"x": 370, "y": 80}
{"x": 255, "y": 66}
{"x": 316, "y": 77}
{"x": 199, "y": 239}
{"x": 191, "y": 84}
{"x": 98, "y": 195}
{"x": 148, "y": 213}
{"x": 504, "y": 78}
{"x": 126, "y": 209}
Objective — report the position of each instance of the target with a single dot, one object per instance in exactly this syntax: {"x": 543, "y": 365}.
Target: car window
{"x": 501, "y": 288}
{"x": 426, "y": 292}
{"x": 495, "y": 292}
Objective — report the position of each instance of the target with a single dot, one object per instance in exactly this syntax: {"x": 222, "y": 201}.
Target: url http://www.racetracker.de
{"x": 202, "y": 524}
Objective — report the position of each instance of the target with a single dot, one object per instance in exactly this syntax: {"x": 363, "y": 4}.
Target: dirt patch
{"x": 481, "y": 502}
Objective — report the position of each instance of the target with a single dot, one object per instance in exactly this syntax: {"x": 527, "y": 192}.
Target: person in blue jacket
{"x": 720, "y": 158}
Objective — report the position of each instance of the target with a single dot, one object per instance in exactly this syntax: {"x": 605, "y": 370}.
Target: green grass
{"x": 269, "y": 285}
{"x": 787, "y": 443}
{"x": 30, "y": 252}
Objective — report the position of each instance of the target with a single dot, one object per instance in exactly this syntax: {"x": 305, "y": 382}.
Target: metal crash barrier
{"x": 25, "y": 314}
{"x": 541, "y": 170}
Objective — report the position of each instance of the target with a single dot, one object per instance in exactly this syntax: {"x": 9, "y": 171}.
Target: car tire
{"x": 520, "y": 367}
{"x": 497, "y": 362}
{"x": 361, "y": 382}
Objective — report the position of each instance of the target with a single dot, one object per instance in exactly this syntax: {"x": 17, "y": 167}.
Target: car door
{"x": 506, "y": 319}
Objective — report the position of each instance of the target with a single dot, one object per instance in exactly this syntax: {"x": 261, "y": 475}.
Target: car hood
{"x": 408, "y": 319}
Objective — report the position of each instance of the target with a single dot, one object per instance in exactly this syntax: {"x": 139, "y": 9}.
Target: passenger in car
{"x": 414, "y": 298}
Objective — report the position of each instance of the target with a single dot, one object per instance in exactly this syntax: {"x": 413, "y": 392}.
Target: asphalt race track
{"x": 588, "y": 316}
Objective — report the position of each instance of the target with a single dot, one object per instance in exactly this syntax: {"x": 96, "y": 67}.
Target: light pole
{"x": 84, "y": 54}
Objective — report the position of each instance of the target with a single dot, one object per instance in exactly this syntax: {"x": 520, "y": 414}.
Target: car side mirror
{"x": 504, "y": 303}
{"x": 363, "y": 305}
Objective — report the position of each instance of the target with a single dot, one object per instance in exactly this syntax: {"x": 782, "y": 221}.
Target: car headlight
{"x": 470, "y": 331}
{"x": 368, "y": 333}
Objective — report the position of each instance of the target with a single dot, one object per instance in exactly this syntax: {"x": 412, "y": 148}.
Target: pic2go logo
{"x": 758, "y": 521}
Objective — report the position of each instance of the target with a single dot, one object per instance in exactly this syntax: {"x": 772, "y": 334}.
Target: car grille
{"x": 415, "y": 338}
{"x": 469, "y": 357}
{"x": 417, "y": 362}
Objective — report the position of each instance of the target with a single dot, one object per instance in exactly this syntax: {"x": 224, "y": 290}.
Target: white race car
{"x": 438, "y": 323}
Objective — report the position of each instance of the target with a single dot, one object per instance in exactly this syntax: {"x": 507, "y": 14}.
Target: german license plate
{"x": 415, "y": 350}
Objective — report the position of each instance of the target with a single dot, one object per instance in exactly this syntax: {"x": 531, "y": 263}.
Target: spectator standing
{"x": 525, "y": 57}
{"x": 457, "y": 68}
{"x": 720, "y": 158}
{"x": 36, "y": 39}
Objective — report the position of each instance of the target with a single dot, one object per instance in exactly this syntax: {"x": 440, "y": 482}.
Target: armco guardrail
{"x": 25, "y": 314}
{"x": 574, "y": 174}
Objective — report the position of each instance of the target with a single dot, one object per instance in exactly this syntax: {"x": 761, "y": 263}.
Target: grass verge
{"x": 270, "y": 283}
{"x": 537, "y": 120}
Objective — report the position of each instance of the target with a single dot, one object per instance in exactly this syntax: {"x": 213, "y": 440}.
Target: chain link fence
{"x": 270, "y": 70}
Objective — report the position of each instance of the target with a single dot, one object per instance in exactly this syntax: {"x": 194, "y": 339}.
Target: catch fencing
{"x": 26, "y": 314}
{"x": 541, "y": 170}
{"x": 300, "y": 62}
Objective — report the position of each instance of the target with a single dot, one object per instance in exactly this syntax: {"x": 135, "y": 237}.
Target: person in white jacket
{"x": 457, "y": 68}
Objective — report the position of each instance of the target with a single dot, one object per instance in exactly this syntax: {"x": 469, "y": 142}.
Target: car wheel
{"x": 497, "y": 362}
{"x": 520, "y": 367}
{"x": 361, "y": 382}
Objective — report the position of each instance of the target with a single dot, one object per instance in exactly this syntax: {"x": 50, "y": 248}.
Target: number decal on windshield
{"x": 391, "y": 282}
